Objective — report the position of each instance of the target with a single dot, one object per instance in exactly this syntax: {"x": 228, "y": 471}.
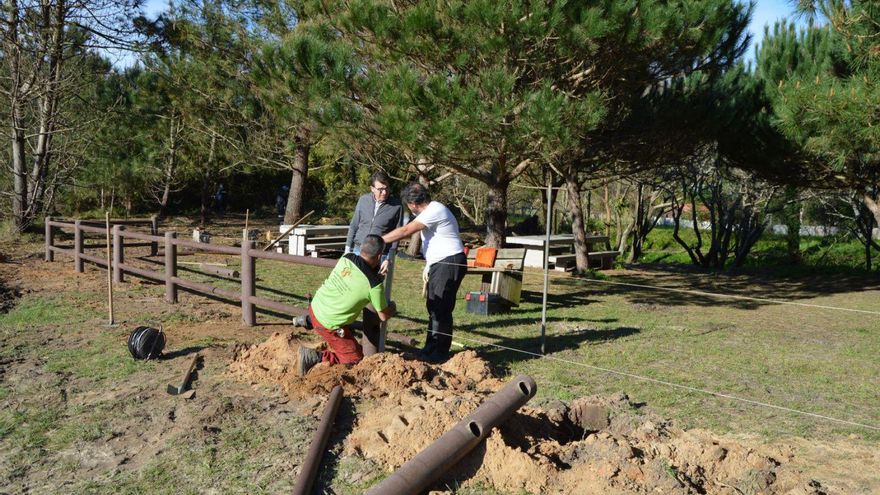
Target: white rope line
{"x": 670, "y": 384}
{"x": 701, "y": 293}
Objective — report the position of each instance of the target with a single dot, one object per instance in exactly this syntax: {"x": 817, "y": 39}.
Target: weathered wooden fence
{"x": 246, "y": 295}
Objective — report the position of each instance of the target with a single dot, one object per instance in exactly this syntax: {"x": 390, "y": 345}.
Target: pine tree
{"x": 833, "y": 111}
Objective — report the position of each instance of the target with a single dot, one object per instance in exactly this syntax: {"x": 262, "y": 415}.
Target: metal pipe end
{"x": 526, "y": 385}
{"x": 475, "y": 429}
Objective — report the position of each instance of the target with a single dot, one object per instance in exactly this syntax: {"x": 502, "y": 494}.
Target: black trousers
{"x": 444, "y": 279}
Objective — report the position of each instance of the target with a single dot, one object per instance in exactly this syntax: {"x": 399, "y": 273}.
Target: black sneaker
{"x": 307, "y": 359}
{"x": 436, "y": 357}
{"x": 426, "y": 351}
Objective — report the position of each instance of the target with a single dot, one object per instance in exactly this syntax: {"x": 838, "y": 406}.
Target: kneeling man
{"x": 354, "y": 283}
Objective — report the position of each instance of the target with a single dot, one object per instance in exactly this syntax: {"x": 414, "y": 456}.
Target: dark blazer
{"x": 364, "y": 222}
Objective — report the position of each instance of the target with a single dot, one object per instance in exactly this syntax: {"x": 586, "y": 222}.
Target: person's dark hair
{"x": 381, "y": 177}
{"x": 415, "y": 193}
{"x": 373, "y": 245}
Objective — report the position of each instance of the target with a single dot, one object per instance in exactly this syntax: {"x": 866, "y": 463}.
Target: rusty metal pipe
{"x": 420, "y": 472}
{"x": 319, "y": 443}
{"x": 218, "y": 270}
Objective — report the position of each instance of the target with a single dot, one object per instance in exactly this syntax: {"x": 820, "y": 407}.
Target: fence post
{"x": 248, "y": 265}
{"x": 118, "y": 254}
{"x": 154, "y": 230}
{"x": 50, "y": 240}
{"x": 77, "y": 247}
{"x": 170, "y": 267}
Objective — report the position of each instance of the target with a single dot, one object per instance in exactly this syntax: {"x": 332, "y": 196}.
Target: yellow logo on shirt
{"x": 345, "y": 272}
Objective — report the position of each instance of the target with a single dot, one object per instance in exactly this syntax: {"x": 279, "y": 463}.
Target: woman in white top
{"x": 446, "y": 264}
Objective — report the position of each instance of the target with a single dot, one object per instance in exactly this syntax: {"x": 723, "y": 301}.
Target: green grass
{"x": 47, "y": 310}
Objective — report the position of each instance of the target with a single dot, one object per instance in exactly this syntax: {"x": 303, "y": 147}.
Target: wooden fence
{"x": 246, "y": 295}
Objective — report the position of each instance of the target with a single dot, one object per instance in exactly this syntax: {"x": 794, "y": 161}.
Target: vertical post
{"x": 546, "y": 265}
{"x": 50, "y": 240}
{"x": 118, "y": 254}
{"x": 77, "y": 247}
{"x": 248, "y": 265}
{"x": 170, "y": 267}
{"x": 109, "y": 269}
{"x": 154, "y": 230}
{"x": 389, "y": 279}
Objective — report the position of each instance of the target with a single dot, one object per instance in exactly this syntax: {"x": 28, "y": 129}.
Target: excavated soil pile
{"x": 588, "y": 445}
{"x": 7, "y": 297}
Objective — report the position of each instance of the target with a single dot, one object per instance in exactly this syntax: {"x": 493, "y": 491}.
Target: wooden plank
{"x": 312, "y": 230}
{"x": 325, "y": 245}
{"x": 602, "y": 254}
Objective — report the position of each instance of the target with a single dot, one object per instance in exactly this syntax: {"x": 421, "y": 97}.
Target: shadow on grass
{"x": 527, "y": 348}
{"x": 770, "y": 285}
{"x": 181, "y": 352}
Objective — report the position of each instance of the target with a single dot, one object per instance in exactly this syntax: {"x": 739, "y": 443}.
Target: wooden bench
{"x": 504, "y": 277}
{"x": 601, "y": 260}
{"x": 308, "y": 240}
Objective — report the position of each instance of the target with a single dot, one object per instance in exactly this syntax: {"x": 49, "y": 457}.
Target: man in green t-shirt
{"x": 354, "y": 282}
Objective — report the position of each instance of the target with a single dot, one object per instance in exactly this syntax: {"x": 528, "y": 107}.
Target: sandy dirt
{"x": 588, "y": 445}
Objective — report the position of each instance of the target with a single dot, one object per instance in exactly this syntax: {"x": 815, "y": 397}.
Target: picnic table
{"x": 560, "y": 244}
{"x": 309, "y": 240}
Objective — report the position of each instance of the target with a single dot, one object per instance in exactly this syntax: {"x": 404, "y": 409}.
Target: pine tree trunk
{"x": 578, "y": 228}
{"x": 20, "y": 176}
{"x": 47, "y": 115}
{"x": 640, "y": 212}
{"x": 294, "y": 210}
{"x": 792, "y": 218}
{"x": 168, "y": 173}
{"x": 206, "y": 183}
{"x": 873, "y": 205}
{"x": 414, "y": 248}
{"x": 607, "y": 212}
{"x": 496, "y": 213}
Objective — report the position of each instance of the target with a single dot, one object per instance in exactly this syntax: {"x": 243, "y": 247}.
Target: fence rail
{"x": 246, "y": 296}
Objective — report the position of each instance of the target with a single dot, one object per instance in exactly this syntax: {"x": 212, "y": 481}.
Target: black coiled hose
{"x": 146, "y": 343}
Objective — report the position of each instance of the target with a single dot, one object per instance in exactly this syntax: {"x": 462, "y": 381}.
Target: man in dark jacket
{"x": 376, "y": 213}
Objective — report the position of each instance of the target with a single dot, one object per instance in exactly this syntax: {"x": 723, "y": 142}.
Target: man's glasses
{"x": 380, "y": 189}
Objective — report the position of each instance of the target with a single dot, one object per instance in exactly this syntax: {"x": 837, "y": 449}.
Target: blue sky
{"x": 766, "y": 13}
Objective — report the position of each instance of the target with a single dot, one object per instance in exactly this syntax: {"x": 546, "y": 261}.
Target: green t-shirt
{"x": 352, "y": 285}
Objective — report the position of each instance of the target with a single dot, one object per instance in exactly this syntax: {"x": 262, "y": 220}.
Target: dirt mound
{"x": 8, "y": 297}
{"x": 273, "y": 361}
{"x": 588, "y": 445}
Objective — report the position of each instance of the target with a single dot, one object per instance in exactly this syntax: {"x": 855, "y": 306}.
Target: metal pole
{"x": 389, "y": 279}
{"x": 50, "y": 240}
{"x": 77, "y": 247}
{"x": 118, "y": 254}
{"x": 248, "y": 310}
{"x": 170, "y": 267}
{"x": 546, "y": 271}
{"x": 319, "y": 443}
{"x": 427, "y": 466}
{"x": 109, "y": 265}
{"x": 154, "y": 230}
